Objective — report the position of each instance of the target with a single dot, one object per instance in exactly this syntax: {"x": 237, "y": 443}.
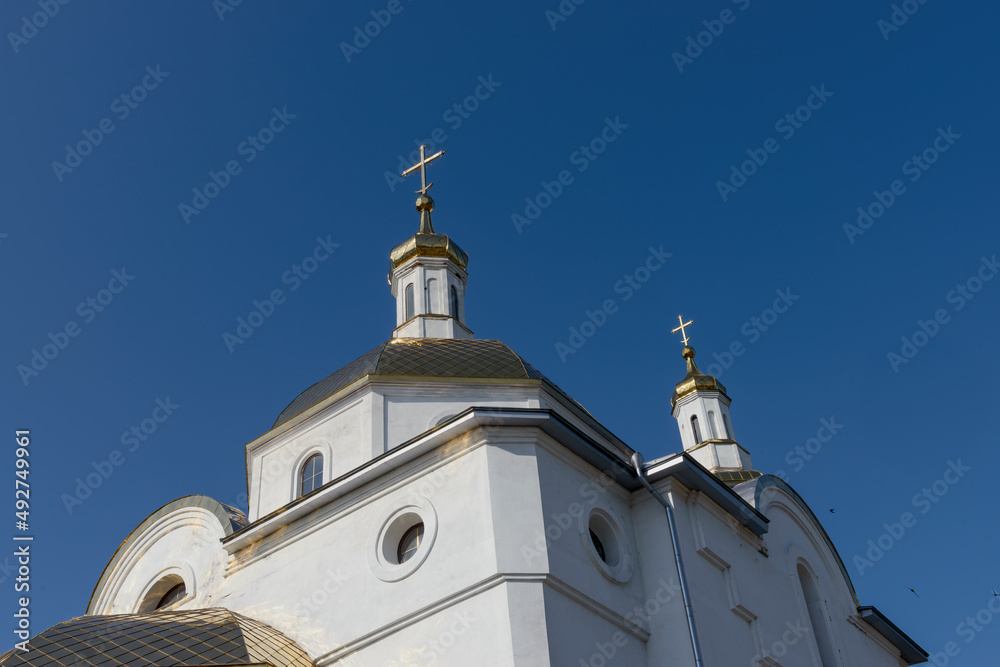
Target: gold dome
{"x": 695, "y": 380}
{"x": 429, "y": 245}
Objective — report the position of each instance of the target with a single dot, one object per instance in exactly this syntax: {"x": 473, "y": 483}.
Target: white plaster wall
{"x": 409, "y": 410}
{"x": 336, "y": 545}
{"x": 511, "y": 552}
{"x": 743, "y": 600}
{"x": 700, "y": 404}
{"x": 186, "y": 543}
{"x": 340, "y": 434}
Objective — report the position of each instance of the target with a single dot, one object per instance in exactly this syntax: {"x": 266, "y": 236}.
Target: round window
{"x": 403, "y": 541}
{"x": 605, "y": 541}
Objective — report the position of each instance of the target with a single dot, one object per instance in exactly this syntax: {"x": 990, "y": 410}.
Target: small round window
{"x": 606, "y": 543}
{"x": 403, "y": 541}
{"x": 409, "y": 543}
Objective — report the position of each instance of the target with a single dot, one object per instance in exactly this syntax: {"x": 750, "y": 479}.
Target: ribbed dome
{"x": 695, "y": 380}
{"x": 420, "y": 357}
{"x": 214, "y": 636}
{"x": 429, "y": 245}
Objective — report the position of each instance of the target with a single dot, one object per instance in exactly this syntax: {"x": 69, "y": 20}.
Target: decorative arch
{"x": 773, "y": 491}
{"x": 197, "y": 513}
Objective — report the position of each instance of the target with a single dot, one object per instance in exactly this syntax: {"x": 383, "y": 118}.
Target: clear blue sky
{"x": 864, "y": 100}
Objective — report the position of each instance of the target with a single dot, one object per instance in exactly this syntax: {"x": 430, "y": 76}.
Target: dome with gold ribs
{"x": 429, "y": 245}
{"x": 452, "y": 358}
{"x": 214, "y": 636}
{"x": 695, "y": 380}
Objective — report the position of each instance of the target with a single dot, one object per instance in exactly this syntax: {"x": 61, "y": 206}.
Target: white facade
{"x": 539, "y": 543}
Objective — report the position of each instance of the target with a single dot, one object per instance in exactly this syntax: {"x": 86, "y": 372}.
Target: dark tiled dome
{"x": 420, "y": 357}
{"x": 160, "y": 639}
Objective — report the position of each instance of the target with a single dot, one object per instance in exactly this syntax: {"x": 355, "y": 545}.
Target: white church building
{"x": 439, "y": 501}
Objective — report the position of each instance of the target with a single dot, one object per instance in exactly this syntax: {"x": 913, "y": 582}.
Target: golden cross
{"x": 422, "y": 166}
{"x": 681, "y": 328}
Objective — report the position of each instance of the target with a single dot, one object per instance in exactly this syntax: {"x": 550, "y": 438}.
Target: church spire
{"x": 700, "y": 405}
{"x": 428, "y": 274}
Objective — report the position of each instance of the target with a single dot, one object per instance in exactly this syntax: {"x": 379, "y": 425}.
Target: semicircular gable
{"x": 230, "y": 520}
{"x": 761, "y": 501}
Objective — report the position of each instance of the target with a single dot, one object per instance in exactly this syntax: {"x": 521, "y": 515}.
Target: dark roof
{"x": 421, "y": 357}
{"x": 164, "y": 638}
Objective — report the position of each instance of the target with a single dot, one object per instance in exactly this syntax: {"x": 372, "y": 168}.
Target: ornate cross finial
{"x": 681, "y": 328}
{"x": 422, "y": 166}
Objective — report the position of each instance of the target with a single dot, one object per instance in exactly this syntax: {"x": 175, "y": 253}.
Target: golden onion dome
{"x": 695, "y": 380}
{"x": 425, "y": 243}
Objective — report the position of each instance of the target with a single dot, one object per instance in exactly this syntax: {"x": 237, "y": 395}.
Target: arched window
{"x": 711, "y": 425}
{"x": 817, "y": 617}
{"x": 729, "y": 427}
{"x": 163, "y": 593}
{"x": 409, "y": 302}
{"x": 433, "y": 297}
{"x": 695, "y": 430}
{"x": 311, "y": 475}
{"x": 172, "y": 596}
{"x": 453, "y": 302}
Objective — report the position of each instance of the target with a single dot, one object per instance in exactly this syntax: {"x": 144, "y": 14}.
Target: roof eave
{"x": 909, "y": 650}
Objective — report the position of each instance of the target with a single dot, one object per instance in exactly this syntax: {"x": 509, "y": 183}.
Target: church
{"x": 439, "y": 501}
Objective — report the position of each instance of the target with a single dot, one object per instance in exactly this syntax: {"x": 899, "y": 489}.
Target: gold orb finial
{"x": 425, "y": 203}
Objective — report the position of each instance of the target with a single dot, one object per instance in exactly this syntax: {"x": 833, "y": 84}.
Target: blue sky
{"x": 746, "y": 157}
